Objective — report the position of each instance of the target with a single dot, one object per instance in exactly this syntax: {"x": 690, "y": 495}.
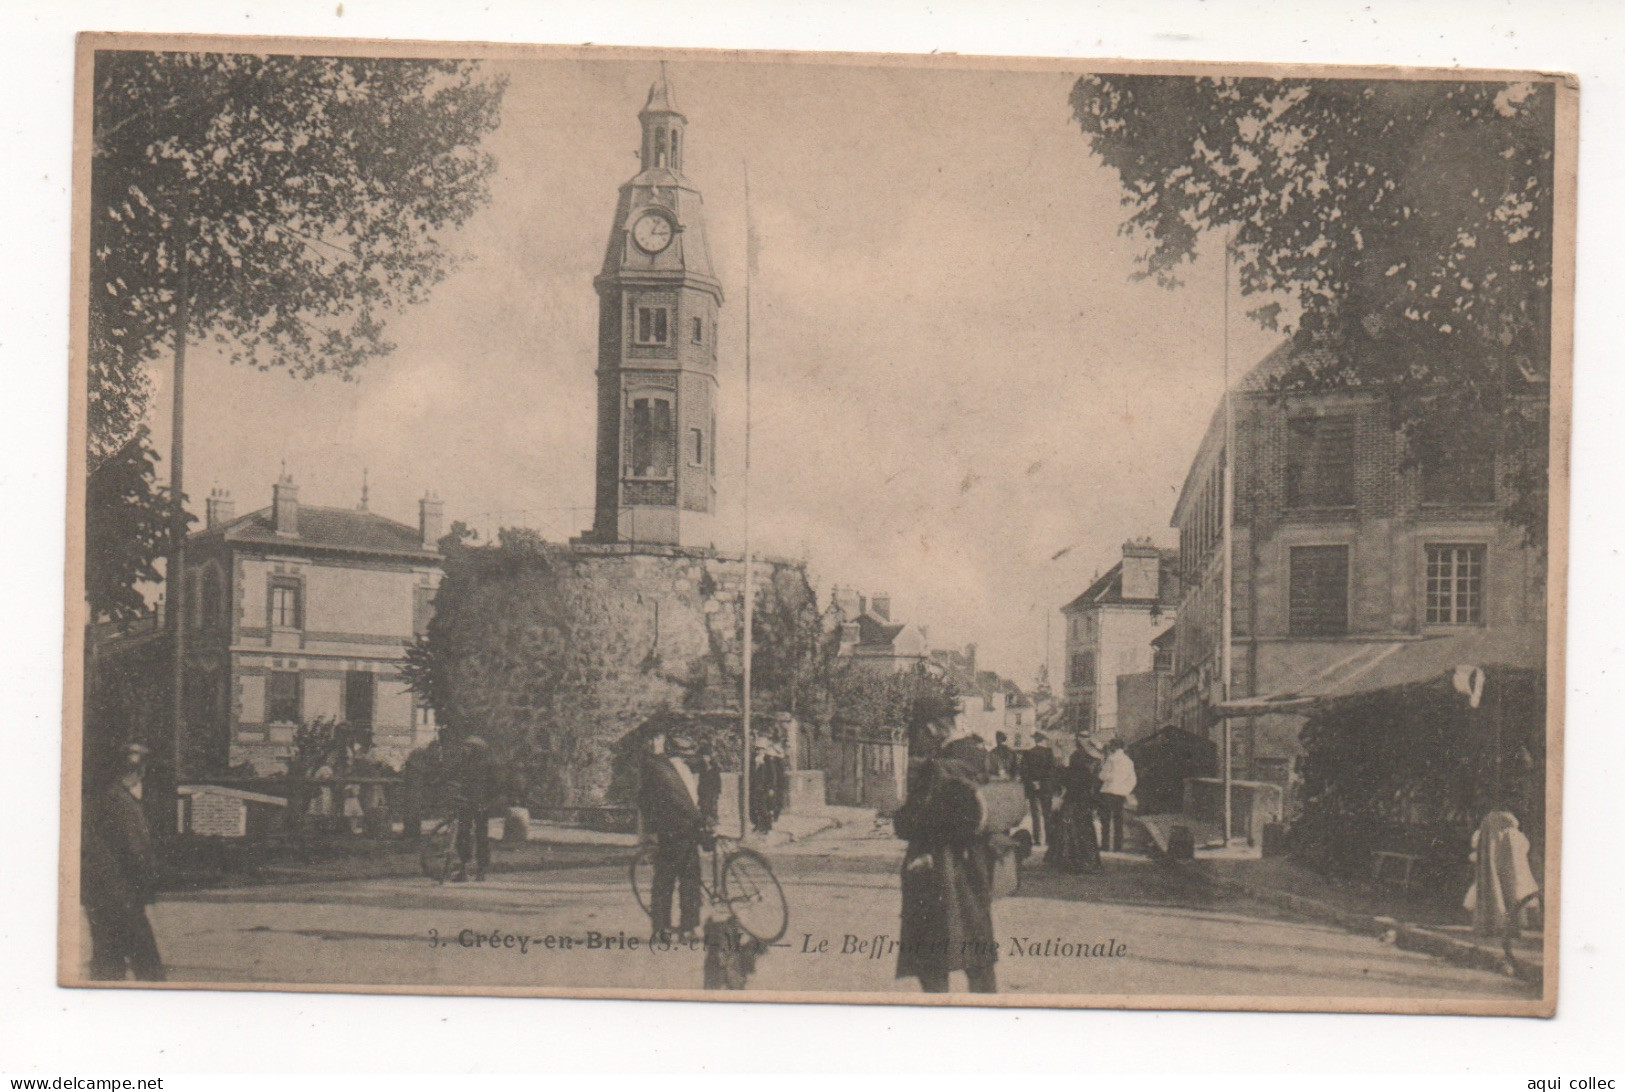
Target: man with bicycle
{"x": 668, "y": 800}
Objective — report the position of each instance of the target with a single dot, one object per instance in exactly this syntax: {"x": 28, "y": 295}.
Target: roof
{"x": 1108, "y": 589}
{"x": 661, "y": 100}
{"x": 872, "y": 632}
{"x": 345, "y": 529}
{"x": 1388, "y": 665}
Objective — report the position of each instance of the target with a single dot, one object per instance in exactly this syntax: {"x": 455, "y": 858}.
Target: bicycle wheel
{"x": 753, "y": 895}
{"x": 642, "y": 874}
{"x": 438, "y": 856}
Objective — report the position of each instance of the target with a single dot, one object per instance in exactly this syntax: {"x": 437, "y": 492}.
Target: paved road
{"x": 1172, "y": 935}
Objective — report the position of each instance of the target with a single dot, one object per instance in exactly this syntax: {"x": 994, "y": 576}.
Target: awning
{"x": 1384, "y": 665}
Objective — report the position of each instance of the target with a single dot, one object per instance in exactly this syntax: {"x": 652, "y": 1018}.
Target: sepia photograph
{"x": 823, "y": 527}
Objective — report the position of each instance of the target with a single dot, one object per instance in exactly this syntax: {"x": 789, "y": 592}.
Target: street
{"x": 1141, "y": 929}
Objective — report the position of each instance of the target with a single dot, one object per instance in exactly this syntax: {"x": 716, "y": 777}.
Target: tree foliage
{"x": 1410, "y": 221}
{"x": 297, "y": 199}
{"x": 131, "y": 518}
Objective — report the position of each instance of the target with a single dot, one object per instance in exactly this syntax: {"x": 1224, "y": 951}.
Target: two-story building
{"x": 299, "y": 613}
{"x": 868, "y": 635}
{"x": 1109, "y": 630}
{"x": 1351, "y": 567}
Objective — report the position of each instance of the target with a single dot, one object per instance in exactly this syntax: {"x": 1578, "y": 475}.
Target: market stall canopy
{"x": 1384, "y": 665}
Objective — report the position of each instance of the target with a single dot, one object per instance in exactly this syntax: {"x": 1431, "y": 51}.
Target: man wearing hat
{"x": 1038, "y": 775}
{"x": 669, "y": 802}
{"x": 476, "y": 796}
{"x": 119, "y": 875}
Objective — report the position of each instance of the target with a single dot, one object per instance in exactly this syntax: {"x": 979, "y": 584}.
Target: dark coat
{"x": 663, "y": 800}
{"x": 1038, "y": 769}
{"x": 709, "y": 787}
{"x": 479, "y": 788}
{"x": 947, "y": 882}
{"x": 1003, "y": 761}
{"x": 119, "y": 870}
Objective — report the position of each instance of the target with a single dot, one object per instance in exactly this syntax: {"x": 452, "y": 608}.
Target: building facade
{"x": 1342, "y": 554}
{"x": 298, "y": 613}
{"x": 658, "y": 299}
{"x": 1109, "y": 630}
{"x": 869, "y": 637}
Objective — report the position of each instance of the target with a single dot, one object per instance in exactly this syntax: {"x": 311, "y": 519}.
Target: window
{"x": 1319, "y": 593}
{"x": 1458, "y": 477}
{"x": 651, "y": 328}
{"x": 1455, "y": 585}
{"x": 359, "y": 688}
{"x": 696, "y": 447}
{"x": 699, "y": 331}
{"x": 282, "y": 697}
{"x": 287, "y": 606}
{"x": 1320, "y": 462}
{"x": 1162, "y": 659}
{"x": 1083, "y": 669}
{"x": 209, "y": 601}
{"x": 652, "y": 441}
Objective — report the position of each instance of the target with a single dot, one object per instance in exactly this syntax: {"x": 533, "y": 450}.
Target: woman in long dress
{"x": 1074, "y": 847}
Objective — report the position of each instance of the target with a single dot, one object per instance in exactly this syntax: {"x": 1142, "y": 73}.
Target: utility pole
{"x": 175, "y": 571}
{"x": 749, "y": 605}
{"x": 1227, "y": 612}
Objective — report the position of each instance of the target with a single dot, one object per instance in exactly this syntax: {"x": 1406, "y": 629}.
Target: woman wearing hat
{"x": 1074, "y": 847}
{"x": 947, "y": 882}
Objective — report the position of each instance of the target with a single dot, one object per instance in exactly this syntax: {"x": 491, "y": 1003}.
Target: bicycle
{"x": 741, "y": 883}
{"x": 438, "y": 854}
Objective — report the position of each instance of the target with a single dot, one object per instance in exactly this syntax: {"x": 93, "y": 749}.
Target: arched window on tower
{"x": 653, "y": 442}
{"x": 660, "y": 147}
{"x": 676, "y": 150}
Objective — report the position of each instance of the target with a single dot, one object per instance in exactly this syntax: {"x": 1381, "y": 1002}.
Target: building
{"x": 298, "y": 613}
{"x": 658, "y": 298}
{"x": 1350, "y": 568}
{"x": 869, "y": 636}
{"x": 1145, "y": 698}
{"x": 1109, "y": 630}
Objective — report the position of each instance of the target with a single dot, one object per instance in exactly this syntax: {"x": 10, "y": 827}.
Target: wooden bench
{"x": 1380, "y": 862}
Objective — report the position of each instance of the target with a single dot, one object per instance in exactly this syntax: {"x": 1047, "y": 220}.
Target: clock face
{"x": 652, "y": 232}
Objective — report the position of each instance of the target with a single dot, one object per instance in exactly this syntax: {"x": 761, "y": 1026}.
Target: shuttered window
{"x": 282, "y": 697}
{"x": 1320, "y": 462}
{"x": 1319, "y": 593}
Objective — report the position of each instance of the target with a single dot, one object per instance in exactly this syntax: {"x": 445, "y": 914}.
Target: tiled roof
{"x": 1109, "y": 588}
{"x": 347, "y": 529}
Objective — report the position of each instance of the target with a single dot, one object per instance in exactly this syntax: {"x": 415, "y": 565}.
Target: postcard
{"x": 683, "y": 524}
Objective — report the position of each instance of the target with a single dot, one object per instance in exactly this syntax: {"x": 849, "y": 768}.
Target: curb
{"x": 1414, "y": 938}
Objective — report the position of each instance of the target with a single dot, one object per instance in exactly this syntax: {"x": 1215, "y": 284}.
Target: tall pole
{"x": 750, "y": 588}
{"x": 1227, "y": 611}
{"x": 175, "y": 573}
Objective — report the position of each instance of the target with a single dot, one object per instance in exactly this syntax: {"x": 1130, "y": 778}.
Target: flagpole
{"x": 750, "y": 589}
{"x": 1228, "y": 611}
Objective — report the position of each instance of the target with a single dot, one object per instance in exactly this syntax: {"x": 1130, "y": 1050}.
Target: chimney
{"x": 285, "y": 506}
{"x": 845, "y": 600}
{"x": 880, "y": 606}
{"x": 1142, "y": 571}
{"x": 219, "y": 508}
{"x": 431, "y": 513}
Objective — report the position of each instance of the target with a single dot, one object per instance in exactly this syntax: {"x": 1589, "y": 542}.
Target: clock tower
{"x": 657, "y": 350}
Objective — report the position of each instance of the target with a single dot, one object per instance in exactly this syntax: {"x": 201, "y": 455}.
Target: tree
{"x": 283, "y": 205}
{"x": 130, "y": 527}
{"x": 1410, "y": 221}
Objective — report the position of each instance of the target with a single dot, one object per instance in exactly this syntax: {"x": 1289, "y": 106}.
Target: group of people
{"x": 1065, "y": 801}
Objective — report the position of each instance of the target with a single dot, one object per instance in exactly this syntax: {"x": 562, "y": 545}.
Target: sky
{"x": 955, "y": 375}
